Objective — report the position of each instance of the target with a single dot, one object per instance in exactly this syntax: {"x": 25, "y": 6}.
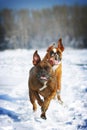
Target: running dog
{"x": 42, "y": 81}
{"x": 54, "y": 57}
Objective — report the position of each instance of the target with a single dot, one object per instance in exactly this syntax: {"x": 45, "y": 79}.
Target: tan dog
{"x": 41, "y": 82}
{"x": 54, "y": 57}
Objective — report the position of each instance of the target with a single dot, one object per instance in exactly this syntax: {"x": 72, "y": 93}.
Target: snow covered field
{"x": 16, "y": 110}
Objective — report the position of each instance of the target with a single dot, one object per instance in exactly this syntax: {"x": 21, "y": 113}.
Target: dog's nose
{"x": 56, "y": 57}
{"x": 43, "y": 72}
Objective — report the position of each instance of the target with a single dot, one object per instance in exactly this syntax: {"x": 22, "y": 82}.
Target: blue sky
{"x": 37, "y": 4}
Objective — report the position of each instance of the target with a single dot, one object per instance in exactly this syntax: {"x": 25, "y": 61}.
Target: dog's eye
{"x": 52, "y": 53}
{"x": 58, "y": 53}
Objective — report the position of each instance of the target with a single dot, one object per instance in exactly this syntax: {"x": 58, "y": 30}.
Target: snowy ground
{"x": 16, "y": 110}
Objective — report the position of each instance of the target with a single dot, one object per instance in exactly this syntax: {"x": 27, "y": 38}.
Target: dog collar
{"x": 44, "y": 86}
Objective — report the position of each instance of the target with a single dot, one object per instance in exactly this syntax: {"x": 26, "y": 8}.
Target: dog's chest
{"x": 56, "y": 66}
{"x": 44, "y": 86}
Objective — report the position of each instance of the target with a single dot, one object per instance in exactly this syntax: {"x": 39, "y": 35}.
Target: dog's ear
{"x": 50, "y": 48}
{"x": 36, "y": 58}
{"x": 60, "y": 45}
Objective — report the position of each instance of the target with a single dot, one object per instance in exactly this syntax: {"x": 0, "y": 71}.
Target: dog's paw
{"x": 59, "y": 99}
{"x": 60, "y": 102}
{"x": 43, "y": 116}
{"x": 34, "y": 108}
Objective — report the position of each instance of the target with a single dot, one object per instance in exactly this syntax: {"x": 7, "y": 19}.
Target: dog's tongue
{"x": 53, "y": 62}
{"x": 43, "y": 77}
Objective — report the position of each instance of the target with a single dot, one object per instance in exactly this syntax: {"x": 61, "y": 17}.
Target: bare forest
{"x": 38, "y": 28}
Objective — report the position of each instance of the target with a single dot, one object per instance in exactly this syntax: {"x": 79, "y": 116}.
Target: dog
{"x": 54, "y": 57}
{"x": 41, "y": 82}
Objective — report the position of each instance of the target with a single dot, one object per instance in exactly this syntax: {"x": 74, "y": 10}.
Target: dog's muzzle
{"x": 55, "y": 58}
{"x": 43, "y": 75}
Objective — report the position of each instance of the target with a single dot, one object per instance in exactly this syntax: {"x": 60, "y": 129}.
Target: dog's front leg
{"x": 59, "y": 96}
{"x": 46, "y": 104}
{"x": 40, "y": 101}
{"x": 59, "y": 89}
{"x": 32, "y": 99}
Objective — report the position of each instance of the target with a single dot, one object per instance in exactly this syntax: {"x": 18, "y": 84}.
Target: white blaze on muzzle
{"x": 54, "y": 50}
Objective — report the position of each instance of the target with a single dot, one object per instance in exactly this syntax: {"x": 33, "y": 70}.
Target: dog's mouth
{"x": 44, "y": 78}
{"x": 54, "y": 62}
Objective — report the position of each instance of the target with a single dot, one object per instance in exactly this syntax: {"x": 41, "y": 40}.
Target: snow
{"x": 15, "y": 108}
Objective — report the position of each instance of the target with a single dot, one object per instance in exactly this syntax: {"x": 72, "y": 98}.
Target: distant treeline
{"x": 38, "y": 28}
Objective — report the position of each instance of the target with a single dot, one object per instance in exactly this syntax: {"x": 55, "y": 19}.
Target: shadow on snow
{"x": 84, "y": 126}
{"x": 9, "y": 113}
{"x": 9, "y": 98}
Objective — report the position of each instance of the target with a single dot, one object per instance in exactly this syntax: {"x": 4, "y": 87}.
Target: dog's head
{"x": 54, "y": 54}
{"x": 43, "y": 68}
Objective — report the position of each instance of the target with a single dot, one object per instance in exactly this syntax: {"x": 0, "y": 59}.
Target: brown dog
{"x": 54, "y": 57}
{"x": 41, "y": 82}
